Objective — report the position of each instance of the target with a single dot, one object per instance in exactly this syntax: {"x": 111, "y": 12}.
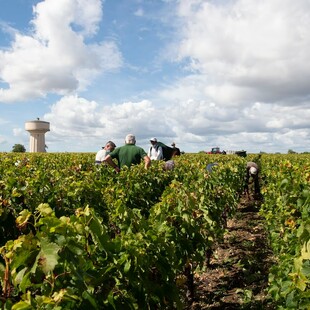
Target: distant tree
{"x": 18, "y": 148}
{"x": 291, "y": 152}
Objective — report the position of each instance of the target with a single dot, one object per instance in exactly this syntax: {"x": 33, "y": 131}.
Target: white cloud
{"x": 244, "y": 84}
{"x": 78, "y": 123}
{"x": 249, "y": 73}
{"x": 54, "y": 57}
{"x": 18, "y": 132}
{"x": 248, "y": 49}
{"x": 139, "y": 12}
{"x": 76, "y": 119}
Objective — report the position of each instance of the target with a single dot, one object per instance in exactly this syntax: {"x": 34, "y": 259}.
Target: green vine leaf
{"x": 48, "y": 257}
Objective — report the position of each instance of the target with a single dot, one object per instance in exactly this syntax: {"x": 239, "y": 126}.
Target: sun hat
{"x": 153, "y": 139}
{"x": 253, "y": 170}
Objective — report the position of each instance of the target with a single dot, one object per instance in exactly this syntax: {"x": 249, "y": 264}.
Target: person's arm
{"x": 175, "y": 152}
{"x": 108, "y": 159}
{"x": 103, "y": 155}
{"x": 147, "y": 162}
{"x": 160, "y": 154}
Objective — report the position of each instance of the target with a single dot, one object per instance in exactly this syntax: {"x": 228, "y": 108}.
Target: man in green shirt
{"x": 128, "y": 154}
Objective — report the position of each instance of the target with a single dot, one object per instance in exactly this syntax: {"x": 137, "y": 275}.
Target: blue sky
{"x": 233, "y": 74}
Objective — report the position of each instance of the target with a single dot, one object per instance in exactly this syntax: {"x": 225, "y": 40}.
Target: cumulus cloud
{"x": 244, "y": 84}
{"x": 89, "y": 124}
{"x": 56, "y": 56}
{"x": 247, "y": 50}
{"x": 248, "y": 81}
{"x": 192, "y": 124}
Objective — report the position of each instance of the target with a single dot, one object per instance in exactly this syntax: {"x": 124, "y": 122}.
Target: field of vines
{"x": 74, "y": 235}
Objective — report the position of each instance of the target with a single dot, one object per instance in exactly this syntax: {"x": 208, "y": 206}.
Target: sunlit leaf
{"x": 45, "y": 209}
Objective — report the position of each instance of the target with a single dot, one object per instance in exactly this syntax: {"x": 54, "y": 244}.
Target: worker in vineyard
{"x": 155, "y": 151}
{"x": 169, "y": 165}
{"x": 176, "y": 150}
{"x": 105, "y": 150}
{"x": 252, "y": 175}
{"x": 128, "y": 155}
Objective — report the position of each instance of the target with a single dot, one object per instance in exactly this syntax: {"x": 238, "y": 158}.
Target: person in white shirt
{"x": 155, "y": 151}
{"x": 100, "y": 156}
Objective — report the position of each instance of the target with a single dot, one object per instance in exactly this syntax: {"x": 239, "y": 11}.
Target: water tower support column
{"x": 37, "y": 130}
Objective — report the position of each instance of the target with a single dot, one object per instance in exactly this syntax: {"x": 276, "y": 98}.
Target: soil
{"x": 237, "y": 274}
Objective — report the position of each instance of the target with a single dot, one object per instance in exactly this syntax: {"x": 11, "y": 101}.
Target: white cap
{"x": 153, "y": 139}
{"x": 253, "y": 170}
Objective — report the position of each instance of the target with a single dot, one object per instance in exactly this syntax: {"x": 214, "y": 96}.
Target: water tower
{"x": 37, "y": 130}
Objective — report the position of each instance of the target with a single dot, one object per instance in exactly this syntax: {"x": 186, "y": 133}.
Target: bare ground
{"x": 237, "y": 275}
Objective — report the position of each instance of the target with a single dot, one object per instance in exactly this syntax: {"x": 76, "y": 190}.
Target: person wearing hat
{"x": 155, "y": 151}
{"x": 252, "y": 175}
{"x": 128, "y": 155}
{"x": 105, "y": 150}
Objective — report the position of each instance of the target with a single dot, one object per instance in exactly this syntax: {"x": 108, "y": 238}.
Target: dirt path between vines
{"x": 237, "y": 277}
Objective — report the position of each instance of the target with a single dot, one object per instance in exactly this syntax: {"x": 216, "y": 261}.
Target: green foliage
{"x": 287, "y": 209}
{"x": 18, "y": 148}
{"x": 76, "y": 236}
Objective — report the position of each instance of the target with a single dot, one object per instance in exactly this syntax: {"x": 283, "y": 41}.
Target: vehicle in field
{"x": 241, "y": 153}
{"x": 217, "y": 150}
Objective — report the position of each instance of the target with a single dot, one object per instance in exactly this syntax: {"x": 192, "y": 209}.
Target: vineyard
{"x": 74, "y": 235}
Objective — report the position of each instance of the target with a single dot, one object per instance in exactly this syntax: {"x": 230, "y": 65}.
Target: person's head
{"x": 169, "y": 165}
{"x": 153, "y": 141}
{"x": 130, "y": 139}
{"x": 110, "y": 146}
{"x": 173, "y": 144}
{"x": 253, "y": 171}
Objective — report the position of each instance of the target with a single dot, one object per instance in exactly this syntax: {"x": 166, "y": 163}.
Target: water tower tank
{"x": 37, "y": 130}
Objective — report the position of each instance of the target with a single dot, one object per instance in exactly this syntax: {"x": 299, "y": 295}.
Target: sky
{"x": 200, "y": 73}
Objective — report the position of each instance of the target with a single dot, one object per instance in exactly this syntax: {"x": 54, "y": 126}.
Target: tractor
{"x": 216, "y": 150}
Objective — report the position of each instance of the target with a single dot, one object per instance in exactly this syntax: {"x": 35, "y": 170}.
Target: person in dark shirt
{"x": 128, "y": 154}
{"x": 252, "y": 175}
{"x": 177, "y": 151}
